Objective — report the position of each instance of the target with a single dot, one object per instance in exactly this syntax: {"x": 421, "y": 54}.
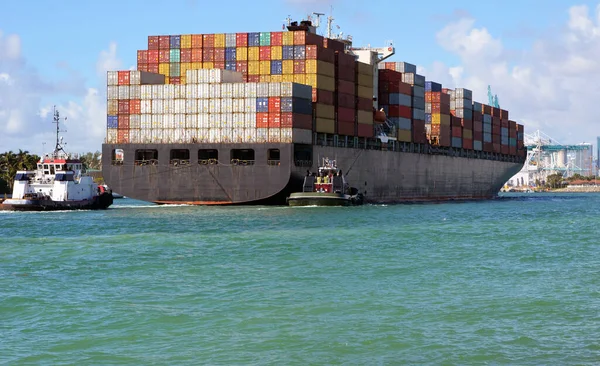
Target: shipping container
{"x": 325, "y": 125}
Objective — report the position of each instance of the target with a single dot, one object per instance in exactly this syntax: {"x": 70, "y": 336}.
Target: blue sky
{"x": 61, "y": 43}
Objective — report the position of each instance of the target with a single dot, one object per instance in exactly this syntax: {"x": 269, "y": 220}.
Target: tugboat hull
{"x": 322, "y": 199}
{"x": 101, "y": 202}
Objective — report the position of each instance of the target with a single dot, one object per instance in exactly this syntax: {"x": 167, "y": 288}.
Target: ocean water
{"x": 510, "y": 281}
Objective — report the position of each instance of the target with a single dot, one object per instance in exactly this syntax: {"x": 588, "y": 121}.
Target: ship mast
{"x": 58, "y": 146}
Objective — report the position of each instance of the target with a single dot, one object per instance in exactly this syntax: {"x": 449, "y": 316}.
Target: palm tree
{"x": 10, "y": 163}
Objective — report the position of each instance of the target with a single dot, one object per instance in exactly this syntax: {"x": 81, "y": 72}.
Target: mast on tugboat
{"x": 58, "y": 146}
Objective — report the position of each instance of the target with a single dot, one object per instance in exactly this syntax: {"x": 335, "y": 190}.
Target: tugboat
{"x": 328, "y": 187}
{"x": 58, "y": 183}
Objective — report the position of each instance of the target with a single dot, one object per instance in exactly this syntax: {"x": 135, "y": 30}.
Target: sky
{"x": 539, "y": 57}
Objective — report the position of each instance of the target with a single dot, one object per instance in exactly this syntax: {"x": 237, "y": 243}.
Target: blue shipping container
{"x": 302, "y": 106}
{"x": 401, "y": 99}
{"x": 457, "y": 142}
{"x": 230, "y": 65}
{"x": 175, "y": 41}
{"x": 253, "y": 39}
{"x": 487, "y": 137}
{"x": 432, "y": 86}
{"x": 512, "y": 141}
{"x": 487, "y": 128}
{"x": 477, "y": 145}
{"x": 276, "y": 67}
{"x": 299, "y": 52}
{"x": 287, "y": 52}
{"x": 230, "y": 54}
{"x": 504, "y": 140}
{"x": 404, "y": 123}
{"x": 112, "y": 122}
{"x": 428, "y": 117}
{"x": 262, "y": 105}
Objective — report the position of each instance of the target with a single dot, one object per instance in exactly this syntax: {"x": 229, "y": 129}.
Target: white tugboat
{"x": 328, "y": 187}
{"x": 58, "y": 183}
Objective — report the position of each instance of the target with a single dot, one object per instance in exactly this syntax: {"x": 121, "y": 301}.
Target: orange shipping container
{"x": 299, "y": 67}
{"x": 208, "y": 40}
{"x": 197, "y": 40}
{"x": 135, "y": 106}
{"x": 123, "y": 77}
{"x": 197, "y": 55}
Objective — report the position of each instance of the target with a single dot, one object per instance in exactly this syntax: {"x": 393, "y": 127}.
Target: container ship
{"x": 240, "y": 118}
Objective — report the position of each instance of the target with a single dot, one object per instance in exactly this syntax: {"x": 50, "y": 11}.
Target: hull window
{"x": 242, "y": 157}
{"x": 146, "y": 157}
{"x": 208, "y": 156}
{"x": 303, "y": 155}
{"x": 117, "y": 157}
{"x": 274, "y": 157}
{"x": 180, "y": 157}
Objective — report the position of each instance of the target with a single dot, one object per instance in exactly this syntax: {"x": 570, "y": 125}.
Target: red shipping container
{"x": 345, "y": 60}
{"x": 364, "y": 130}
{"x": 303, "y": 121}
{"x": 196, "y": 40}
{"x": 512, "y": 150}
{"x": 242, "y": 66}
{"x": 142, "y": 56}
{"x": 219, "y": 54}
{"x": 496, "y": 138}
{"x": 496, "y": 112}
{"x": 311, "y": 52}
{"x": 467, "y": 144}
{"x": 347, "y": 73}
{"x": 382, "y": 99}
{"x": 196, "y": 55}
{"x": 455, "y": 121}
{"x": 175, "y": 80}
{"x": 142, "y": 67}
{"x": 219, "y": 65}
{"x": 390, "y": 75}
{"x": 346, "y": 114}
{"x": 274, "y": 105}
{"x": 186, "y": 55}
{"x": 488, "y": 147}
{"x": 208, "y": 40}
{"x": 418, "y": 132}
{"x": 456, "y": 131}
{"x": 241, "y": 39}
{"x": 264, "y": 53}
{"x": 478, "y": 135}
{"x": 503, "y": 114}
{"x": 487, "y": 109}
{"x": 496, "y": 129}
{"x": 477, "y": 126}
{"x": 477, "y": 116}
{"x": 123, "y": 106}
{"x": 512, "y": 133}
{"x": 208, "y": 54}
{"x": 326, "y": 55}
{"x": 334, "y": 45}
{"x": 496, "y": 121}
{"x": 504, "y": 149}
{"x": 399, "y": 111}
{"x": 123, "y": 77}
{"x": 123, "y": 122}
{"x": 345, "y": 128}
{"x": 467, "y": 123}
{"x": 135, "y": 106}
{"x": 123, "y": 136}
{"x": 164, "y": 42}
{"x": 364, "y": 104}
{"x": 276, "y": 39}
{"x": 504, "y": 123}
{"x": 164, "y": 56}
{"x": 445, "y": 100}
{"x": 153, "y": 68}
{"x": 346, "y": 101}
{"x": 274, "y": 120}
{"x": 322, "y": 96}
{"x": 299, "y": 67}
{"x": 153, "y": 56}
{"x": 287, "y": 120}
{"x": 346, "y": 87}
{"x": 153, "y": 42}
{"x": 262, "y": 120}
{"x": 253, "y": 78}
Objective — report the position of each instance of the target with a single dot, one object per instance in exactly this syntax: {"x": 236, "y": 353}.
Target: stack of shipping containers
{"x": 173, "y": 97}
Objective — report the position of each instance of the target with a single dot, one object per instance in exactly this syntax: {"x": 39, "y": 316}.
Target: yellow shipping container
{"x": 208, "y": 65}
{"x": 365, "y": 117}
{"x": 287, "y": 67}
{"x": 324, "y": 111}
{"x": 300, "y": 78}
{"x": 182, "y": 80}
{"x": 287, "y": 78}
{"x": 241, "y": 54}
{"x": 365, "y": 80}
{"x": 253, "y": 68}
{"x": 320, "y": 67}
{"x": 364, "y": 69}
{"x": 186, "y": 41}
{"x": 196, "y": 65}
{"x": 288, "y": 38}
{"x": 265, "y": 67}
{"x": 220, "y": 40}
{"x": 404, "y": 135}
{"x": 184, "y": 67}
{"x": 365, "y": 92}
{"x": 440, "y": 119}
{"x": 276, "y": 78}
{"x": 253, "y": 53}
{"x": 445, "y": 119}
{"x": 164, "y": 68}
{"x": 167, "y": 80}
{"x": 320, "y": 82}
{"x": 325, "y": 125}
{"x": 265, "y": 78}
{"x": 276, "y": 53}
{"x": 467, "y": 134}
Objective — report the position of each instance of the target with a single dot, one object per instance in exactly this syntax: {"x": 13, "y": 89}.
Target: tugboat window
{"x": 180, "y": 157}
{"x": 242, "y": 157}
{"x": 146, "y": 157}
{"x": 208, "y": 156}
{"x": 274, "y": 157}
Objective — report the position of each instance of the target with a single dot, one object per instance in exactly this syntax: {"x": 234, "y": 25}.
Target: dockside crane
{"x": 492, "y": 99}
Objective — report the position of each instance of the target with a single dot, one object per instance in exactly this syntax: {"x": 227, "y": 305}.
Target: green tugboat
{"x": 327, "y": 187}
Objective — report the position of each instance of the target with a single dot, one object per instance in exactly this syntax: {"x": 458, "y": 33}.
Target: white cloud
{"x": 26, "y": 123}
{"x": 553, "y": 86}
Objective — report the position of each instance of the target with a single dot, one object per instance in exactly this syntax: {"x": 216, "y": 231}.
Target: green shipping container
{"x": 175, "y": 69}
{"x": 265, "y": 38}
{"x": 175, "y": 55}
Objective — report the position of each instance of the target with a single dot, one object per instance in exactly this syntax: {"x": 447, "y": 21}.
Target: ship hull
{"x": 381, "y": 176}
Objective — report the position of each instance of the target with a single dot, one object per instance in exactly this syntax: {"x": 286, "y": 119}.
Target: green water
{"x": 513, "y": 281}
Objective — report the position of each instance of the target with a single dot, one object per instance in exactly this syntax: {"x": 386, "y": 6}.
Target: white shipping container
{"x": 203, "y": 105}
{"x": 191, "y": 91}
{"x": 226, "y": 135}
{"x": 296, "y": 90}
{"x": 168, "y": 120}
{"x": 226, "y": 105}
{"x": 274, "y": 89}
{"x": 203, "y": 120}
{"x": 169, "y": 106}
{"x": 238, "y": 135}
{"x": 214, "y": 135}
{"x": 238, "y": 120}
{"x": 214, "y": 91}
{"x": 146, "y": 106}
{"x": 157, "y": 135}
{"x": 453, "y": 104}
{"x": 111, "y": 135}
{"x": 169, "y": 91}
{"x": 239, "y": 90}
{"x": 203, "y": 91}
{"x": 405, "y": 67}
{"x": 191, "y": 121}
{"x": 146, "y": 136}
{"x": 112, "y": 92}
{"x": 262, "y": 135}
{"x": 112, "y": 78}
{"x": 250, "y": 105}
{"x": 227, "y": 120}
{"x": 238, "y": 105}
{"x": 123, "y": 91}
{"x": 191, "y": 105}
{"x": 146, "y": 122}
{"x": 302, "y": 136}
{"x": 226, "y": 90}
{"x": 214, "y": 105}
{"x": 230, "y": 40}
{"x": 251, "y": 89}
{"x": 262, "y": 90}
{"x": 134, "y": 135}
{"x": 203, "y": 76}
{"x": 158, "y": 91}
{"x": 461, "y": 103}
{"x": 135, "y": 121}
{"x": 191, "y": 135}
{"x": 158, "y": 121}
{"x": 250, "y": 135}
{"x": 249, "y": 120}
{"x": 180, "y": 91}
{"x": 157, "y": 106}
{"x": 202, "y": 135}
{"x": 462, "y": 93}
{"x": 146, "y": 91}
{"x": 286, "y": 135}
{"x": 135, "y": 92}
{"x": 179, "y": 122}
{"x": 214, "y": 120}
{"x": 167, "y": 136}
{"x": 179, "y": 105}
{"x": 191, "y": 76}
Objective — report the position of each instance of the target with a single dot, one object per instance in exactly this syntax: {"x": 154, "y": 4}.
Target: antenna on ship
{"x": 59, "y": 140}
